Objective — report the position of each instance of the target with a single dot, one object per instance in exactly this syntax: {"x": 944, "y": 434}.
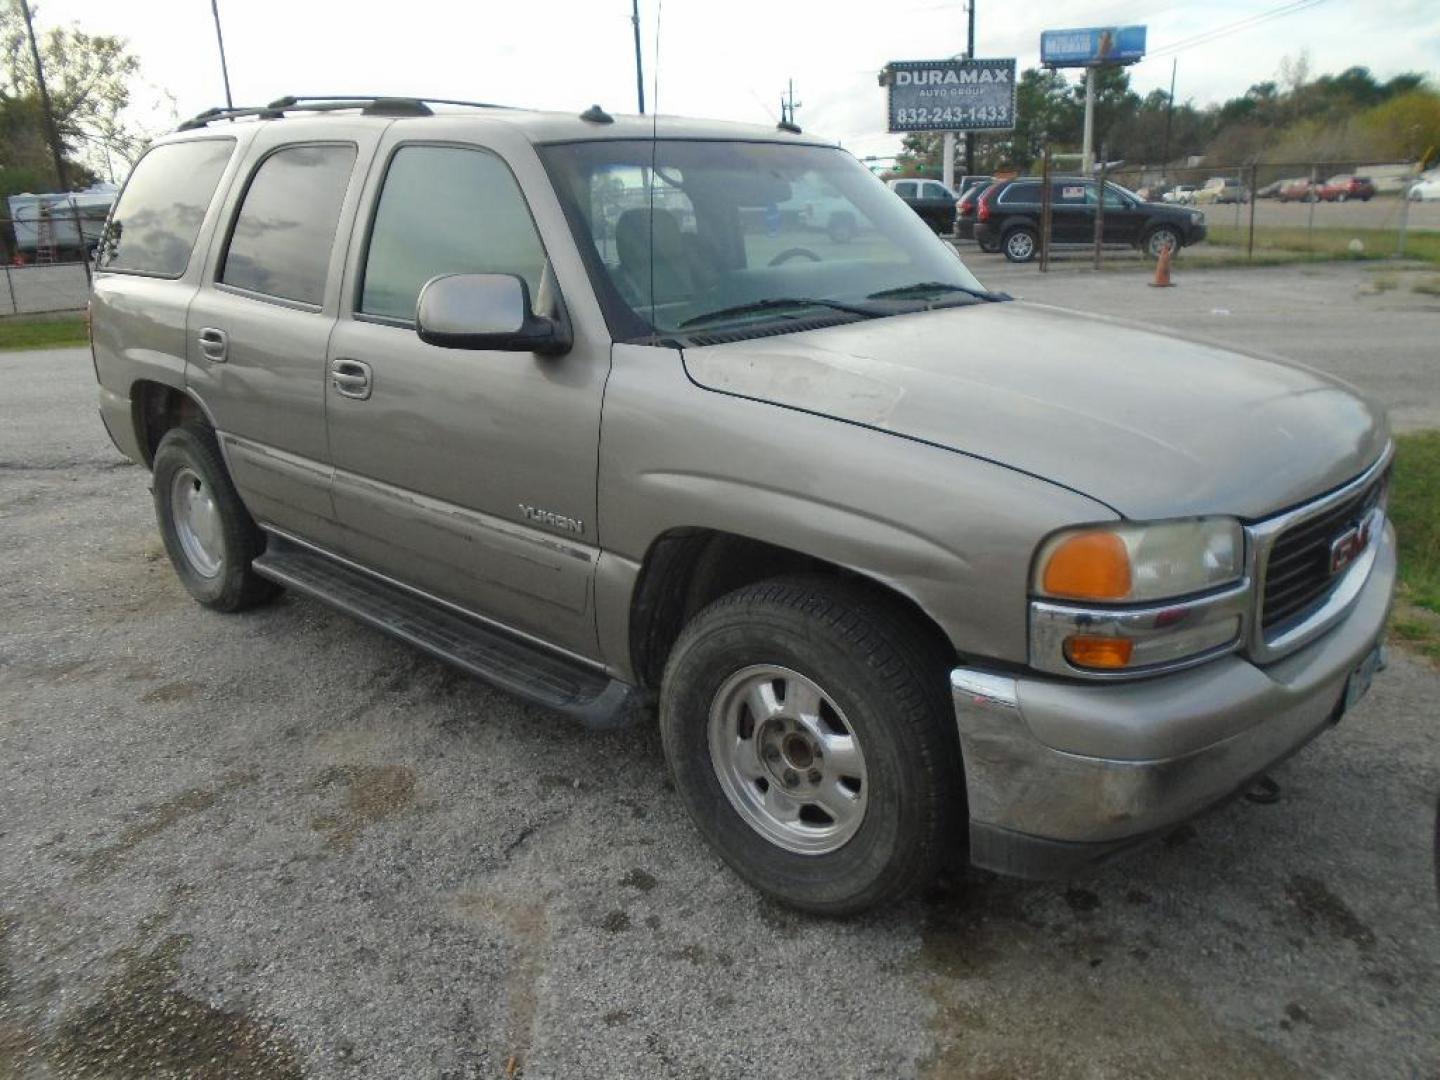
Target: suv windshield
{"x": 683, "y": 234}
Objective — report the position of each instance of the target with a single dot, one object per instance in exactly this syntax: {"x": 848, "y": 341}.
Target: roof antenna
{"x": 654, "y": 161}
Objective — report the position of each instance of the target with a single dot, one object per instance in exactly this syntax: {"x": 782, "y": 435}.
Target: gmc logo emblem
{"x": 1348, "y": 546}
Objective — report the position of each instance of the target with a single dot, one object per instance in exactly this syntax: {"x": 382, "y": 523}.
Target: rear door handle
{"x": 213, "y": 344}
{"x": 351, "y": 378}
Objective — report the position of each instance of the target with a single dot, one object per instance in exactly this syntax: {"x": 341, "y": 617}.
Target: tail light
{"x": 983, "y": 211}
{"x": 966, "y": 206}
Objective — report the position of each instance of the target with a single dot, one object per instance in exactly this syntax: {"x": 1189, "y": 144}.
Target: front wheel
{"x": 208, "y": 534}
{"x": 1020, "y": 244}
{"x": 1161, "y": 238}
{"x": 809, "y": 730}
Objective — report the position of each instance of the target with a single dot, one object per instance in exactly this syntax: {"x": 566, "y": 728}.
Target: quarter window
{"x": 283, "y": 234}
{"x": 154, "y": 228}
{"x": 446, "y": 210}
{"x": 906, "y": 189}
{"x": 1021, "y": 193}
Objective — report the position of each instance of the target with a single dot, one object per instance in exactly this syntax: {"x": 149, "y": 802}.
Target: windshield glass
{"x": 745, "y": 233}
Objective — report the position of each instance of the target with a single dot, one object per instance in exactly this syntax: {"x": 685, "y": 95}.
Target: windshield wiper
{"x": 776, "y": 302}
{"x": 918, "y": 288}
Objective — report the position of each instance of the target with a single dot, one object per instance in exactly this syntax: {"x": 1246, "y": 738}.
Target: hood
{"x": 1151, "y": 425}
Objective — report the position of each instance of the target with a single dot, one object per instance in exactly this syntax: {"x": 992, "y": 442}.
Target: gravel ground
{"x": 281, "y": 845}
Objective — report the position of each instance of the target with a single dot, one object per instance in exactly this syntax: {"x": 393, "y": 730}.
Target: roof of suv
{"x": 536, "y": 125}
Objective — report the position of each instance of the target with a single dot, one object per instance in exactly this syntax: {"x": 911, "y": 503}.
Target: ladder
{"x": 45, "y": 236}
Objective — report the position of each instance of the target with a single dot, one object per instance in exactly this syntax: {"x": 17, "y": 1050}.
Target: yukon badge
{"x": 552, "y": 519}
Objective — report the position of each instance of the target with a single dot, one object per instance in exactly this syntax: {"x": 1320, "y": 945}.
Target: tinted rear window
{"x": 154, "y": 228}
{"x": 283, "y": 234}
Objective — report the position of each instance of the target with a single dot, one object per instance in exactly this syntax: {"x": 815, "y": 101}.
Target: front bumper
{"x": 1172, "y": 745}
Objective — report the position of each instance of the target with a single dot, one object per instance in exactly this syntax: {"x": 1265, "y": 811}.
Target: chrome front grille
{"x": 1298, "y": 571}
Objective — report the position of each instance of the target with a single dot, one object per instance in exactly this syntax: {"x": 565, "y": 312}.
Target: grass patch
{"x": 1430, "y": 286}
{"x": 1328, "y": 242}
{"x": 1415, "y": 509}
{"x": 22, "y": 333}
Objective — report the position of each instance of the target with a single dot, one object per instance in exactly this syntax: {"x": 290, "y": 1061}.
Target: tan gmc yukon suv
{"x": 593, "y": 408}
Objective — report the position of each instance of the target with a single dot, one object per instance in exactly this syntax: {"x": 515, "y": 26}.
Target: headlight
{"x": 1124, "y": 563}
{"x": 1122, "y": 599}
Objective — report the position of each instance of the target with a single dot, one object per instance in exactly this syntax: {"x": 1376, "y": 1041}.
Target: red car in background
{"x": 1340, "y": 188}
{"x": 1301, "y": 190}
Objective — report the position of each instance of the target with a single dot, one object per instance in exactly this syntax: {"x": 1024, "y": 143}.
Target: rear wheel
{"x": 1020, "y": 244}
{"x": 208, "y": 534}
{"x": 809, "y": 730}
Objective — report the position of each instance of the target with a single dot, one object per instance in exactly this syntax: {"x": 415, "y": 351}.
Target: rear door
{"x": 261, "y": 321}
{"x": 937, "y": 205}
{"x": 467, "y": 474}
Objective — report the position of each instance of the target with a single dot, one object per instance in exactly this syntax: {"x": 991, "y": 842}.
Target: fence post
{"x": 10, "y": 284}
{"x": 1404, "y": 222}
{"x": 80, "y": 239}
{"x": 1045, "y": 204}
{"x": 1312, "y": 196}
{"x": 1250, "y": 243}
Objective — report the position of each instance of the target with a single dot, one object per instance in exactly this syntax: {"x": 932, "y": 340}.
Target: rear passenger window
{"x": 1021, "y": 193}
{"x": 155, "y": 225}
{"x": 281, "y": 242}
{"x": 446, "y": 210}
{"x": 906, "y": 189}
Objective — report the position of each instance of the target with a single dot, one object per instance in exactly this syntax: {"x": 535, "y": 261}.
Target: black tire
{"x": 1020, "y": 244}
{"x": 886, "y": 677}
{"x": 191, "y": 450}
{"x": 1158, "y": 237}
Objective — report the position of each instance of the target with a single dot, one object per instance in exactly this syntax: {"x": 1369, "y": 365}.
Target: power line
{"x": 1208, "y": 36}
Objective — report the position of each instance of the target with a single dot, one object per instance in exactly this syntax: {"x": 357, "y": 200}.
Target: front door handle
{"x": 350, "y": 378}
{"x": 213, "y": 344}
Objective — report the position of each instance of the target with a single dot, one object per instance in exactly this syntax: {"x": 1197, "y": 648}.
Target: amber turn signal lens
{"x": 1098, "y": 652}
{"x": 1089, "y": 566}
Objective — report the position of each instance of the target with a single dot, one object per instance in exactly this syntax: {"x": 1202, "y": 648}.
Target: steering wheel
{"x": 794, "y": 253}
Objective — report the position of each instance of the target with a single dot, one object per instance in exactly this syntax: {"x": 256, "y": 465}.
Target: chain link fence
{"x": 46, "y": 261}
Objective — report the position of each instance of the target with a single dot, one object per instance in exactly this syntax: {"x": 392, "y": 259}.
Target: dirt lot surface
{"x": 282, "y": 845}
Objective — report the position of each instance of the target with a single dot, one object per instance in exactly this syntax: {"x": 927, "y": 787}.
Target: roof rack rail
{"x": 368, "y": 105}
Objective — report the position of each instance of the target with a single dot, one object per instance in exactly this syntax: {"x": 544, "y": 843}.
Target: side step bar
{"x": 489, "y": 653}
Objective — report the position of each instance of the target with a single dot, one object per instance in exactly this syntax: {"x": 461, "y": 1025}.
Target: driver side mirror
{"x": 486, "y": 311}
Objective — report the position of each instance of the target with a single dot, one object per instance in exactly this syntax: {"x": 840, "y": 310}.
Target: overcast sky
{"x": 718, "y": 58}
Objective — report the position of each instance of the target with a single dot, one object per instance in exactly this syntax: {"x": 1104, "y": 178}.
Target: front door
{"x": 1122, "y": 218}
{"x": 1072, "y": 212}
{"x": 467, "y": 474}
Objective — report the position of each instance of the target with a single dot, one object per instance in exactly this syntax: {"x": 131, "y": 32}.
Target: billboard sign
{"x": 951, "y": 95}
{"x": 1092, "y": 46}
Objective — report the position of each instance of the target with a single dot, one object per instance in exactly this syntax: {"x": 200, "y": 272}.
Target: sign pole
{"x": 1087, "y": 153}
{"x": 947, "y": 169}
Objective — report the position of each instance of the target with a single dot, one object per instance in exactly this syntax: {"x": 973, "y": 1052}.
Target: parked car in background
{"x": 1343, "y": 188}
{"x": 1008, "y": 216}
{"x": 971, "y": 180}
{"x": 1426, "y": 189}
{"x": 1221, "y": 189}
{"x": 965, "y": 208}
{"x": 1300, "y": 190}
{"x": 932, "y": 200}
{"x": 1271, "y": 190}
{"x": 1180, "y": 193}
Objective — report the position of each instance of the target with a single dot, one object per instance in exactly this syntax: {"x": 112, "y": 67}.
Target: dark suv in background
{"x": 1007, "y": 218}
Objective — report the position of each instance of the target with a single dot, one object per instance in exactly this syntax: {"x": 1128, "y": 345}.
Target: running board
{"x": 500, "y": 658}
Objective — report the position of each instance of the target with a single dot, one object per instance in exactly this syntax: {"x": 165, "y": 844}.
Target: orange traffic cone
{"x": 1162, "y": 270}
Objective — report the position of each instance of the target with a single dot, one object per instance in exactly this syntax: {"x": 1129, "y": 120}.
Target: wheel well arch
{"x": 155, "y": 408}
{"x": 686, "y": 569}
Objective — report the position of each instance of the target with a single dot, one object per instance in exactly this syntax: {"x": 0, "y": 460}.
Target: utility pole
{"x": 639, "y": 71}
{"x": 51, "y": 131}
{"x": 1087, "y": 151}
{"x": 970, "y": 53}
{"x": 220, "y": 39}
{"x": 1169, "y": 112}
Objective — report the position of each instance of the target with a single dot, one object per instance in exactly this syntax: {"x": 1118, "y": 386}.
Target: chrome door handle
{"x": 213, "y": 344}
{"x": 350, "y": 378}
